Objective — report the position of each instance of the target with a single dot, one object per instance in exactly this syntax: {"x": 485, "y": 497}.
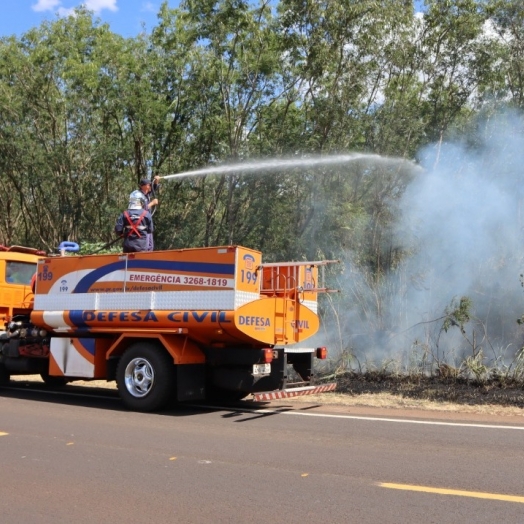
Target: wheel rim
{"x": 139, "y": 377}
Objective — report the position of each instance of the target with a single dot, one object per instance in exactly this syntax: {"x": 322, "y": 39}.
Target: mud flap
{"x": 190, "y": 383}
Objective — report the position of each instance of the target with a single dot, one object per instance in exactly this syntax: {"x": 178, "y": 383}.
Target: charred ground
{"x": 431, "y": 389}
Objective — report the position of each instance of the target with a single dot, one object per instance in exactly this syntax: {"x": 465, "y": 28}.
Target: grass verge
{"x": 381, "y": 389}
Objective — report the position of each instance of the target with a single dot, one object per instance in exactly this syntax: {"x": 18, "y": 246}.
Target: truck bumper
{"x": 293, "y": 392}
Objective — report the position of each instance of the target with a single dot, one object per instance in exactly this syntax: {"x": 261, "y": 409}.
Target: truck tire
{"x": 5, "y": 377}
{"x": 145, "y": 377}
{"x": 53, "y": 382}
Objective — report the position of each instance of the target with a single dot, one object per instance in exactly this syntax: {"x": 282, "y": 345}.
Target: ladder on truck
{"x": 282, "y": 279}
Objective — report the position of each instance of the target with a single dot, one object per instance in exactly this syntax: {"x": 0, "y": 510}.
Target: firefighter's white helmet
{"x": 136, "y": 200}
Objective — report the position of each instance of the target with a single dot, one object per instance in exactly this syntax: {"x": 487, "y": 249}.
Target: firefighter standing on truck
{"x": 146, "y": 190}
{"x": 135, "y": 224}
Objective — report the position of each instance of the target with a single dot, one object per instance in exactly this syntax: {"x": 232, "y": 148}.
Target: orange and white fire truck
{"x": 191, "y": 324}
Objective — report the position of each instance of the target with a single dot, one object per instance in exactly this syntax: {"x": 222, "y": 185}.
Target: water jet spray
{"x": 274, "y": 164}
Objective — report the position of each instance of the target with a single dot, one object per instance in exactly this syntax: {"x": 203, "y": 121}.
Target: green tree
{"x": 59, "y": 164}
{"x": 506, "y": 21}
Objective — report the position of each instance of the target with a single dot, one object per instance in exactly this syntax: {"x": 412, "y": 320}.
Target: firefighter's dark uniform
{"x": 147, "y": 198}
{"x": 134, "y": 225}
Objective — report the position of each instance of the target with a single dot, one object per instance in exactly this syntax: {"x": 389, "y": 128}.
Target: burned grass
{"x": 434, "y": 389}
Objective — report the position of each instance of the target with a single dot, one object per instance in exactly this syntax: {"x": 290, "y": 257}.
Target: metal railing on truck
{"x": 282, "y": 277}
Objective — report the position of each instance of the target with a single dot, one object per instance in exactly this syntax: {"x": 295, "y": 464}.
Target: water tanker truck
{"x": 206, "y": 323}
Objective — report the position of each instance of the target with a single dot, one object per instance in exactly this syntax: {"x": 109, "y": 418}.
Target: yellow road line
{"x": 2, "y": 434}
{"x": 456, "y": 492}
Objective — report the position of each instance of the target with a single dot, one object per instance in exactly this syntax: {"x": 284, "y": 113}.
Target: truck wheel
{"x": 4, "y": 376}
{"x": 145, "y": 377}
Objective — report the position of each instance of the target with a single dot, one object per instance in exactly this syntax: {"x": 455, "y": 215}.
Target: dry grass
{"x": 384, "y": 390}
{"x": 395, "y": 401}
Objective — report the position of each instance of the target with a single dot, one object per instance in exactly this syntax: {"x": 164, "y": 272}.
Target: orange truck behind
{"x": 186, "y": 324}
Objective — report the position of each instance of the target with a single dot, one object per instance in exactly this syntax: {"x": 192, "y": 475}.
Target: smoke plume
{"x": 461, "y": 232}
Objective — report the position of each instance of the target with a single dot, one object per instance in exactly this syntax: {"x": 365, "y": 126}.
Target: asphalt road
{"x": 84, "y": 459}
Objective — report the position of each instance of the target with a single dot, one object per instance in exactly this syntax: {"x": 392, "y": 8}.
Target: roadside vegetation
{"x": 446, "y": 388}
{"x": 424, "y": 377}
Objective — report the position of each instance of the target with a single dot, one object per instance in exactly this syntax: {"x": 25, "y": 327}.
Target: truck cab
{"x": 17, "y": 267}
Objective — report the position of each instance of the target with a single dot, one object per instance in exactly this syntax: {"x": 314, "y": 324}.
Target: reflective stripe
{"x": 294, "y": 392}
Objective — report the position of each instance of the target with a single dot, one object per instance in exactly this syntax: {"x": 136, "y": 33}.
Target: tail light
{"x": 322, "y": 353}
{"x": 267, "y": 356}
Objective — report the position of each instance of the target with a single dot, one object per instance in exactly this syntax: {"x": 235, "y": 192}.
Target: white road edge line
{"x": 371, "y": 419}
{"x": 301, "y": 413}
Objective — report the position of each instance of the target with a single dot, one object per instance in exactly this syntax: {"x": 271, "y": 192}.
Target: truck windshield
{"x": 19, "y": 272}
